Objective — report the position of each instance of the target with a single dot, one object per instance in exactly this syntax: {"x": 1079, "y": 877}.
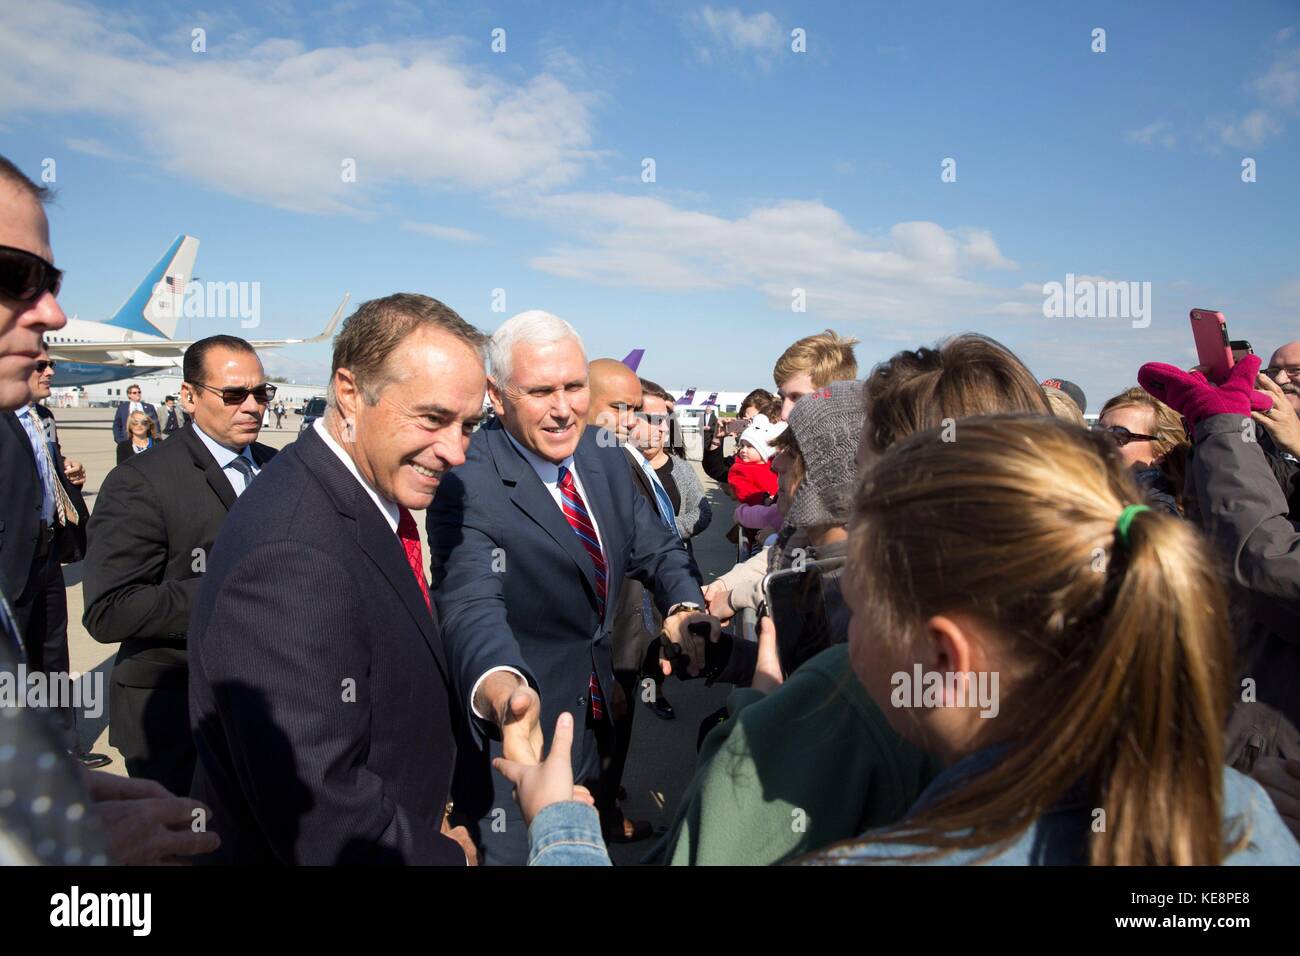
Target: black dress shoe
{"x": 94, "y": 761}
{"x": 662, "y": 709}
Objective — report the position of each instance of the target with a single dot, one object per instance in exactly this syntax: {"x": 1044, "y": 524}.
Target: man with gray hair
{"x": 530, "y": 539}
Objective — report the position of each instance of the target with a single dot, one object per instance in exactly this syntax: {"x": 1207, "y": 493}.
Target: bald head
{"x": 615, "y": 396}
{"x": 1284, "y": 368}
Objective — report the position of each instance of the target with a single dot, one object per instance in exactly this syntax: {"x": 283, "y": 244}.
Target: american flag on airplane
{"x": 176, "y": 284}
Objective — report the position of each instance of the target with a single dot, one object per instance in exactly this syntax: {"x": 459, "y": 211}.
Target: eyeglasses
{"x": 1122, "y": 435}
{"x": 43, "y": 364}
{"x": 1292, "y": 371}
{"x": 237, "y": 396}
{"x": 25, "y": 276}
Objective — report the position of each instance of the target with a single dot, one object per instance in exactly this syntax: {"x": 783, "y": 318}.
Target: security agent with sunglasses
{"x": 151, "y": 536}
{"x": 132, "y": 404}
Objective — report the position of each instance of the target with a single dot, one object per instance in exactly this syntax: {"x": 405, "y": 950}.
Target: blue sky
{"x": 774, "y": 170}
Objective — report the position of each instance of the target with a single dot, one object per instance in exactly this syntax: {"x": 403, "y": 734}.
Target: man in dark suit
{"x": 616, "y": 401}
{"x": 174, "y": 417}
{"x": 47, "y": 488}
{"x": 43, "y": 817}
{"x": 320, "y": 692}
{"x": 530, "y": 538}
{"x": 124, "y": 410}
{"x": 151, "y": 537}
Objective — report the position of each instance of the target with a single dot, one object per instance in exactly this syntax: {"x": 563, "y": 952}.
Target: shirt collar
{"x": 387, "y": 508}
{"x": 547, "y": 471}
{"x": 221, "y": 453}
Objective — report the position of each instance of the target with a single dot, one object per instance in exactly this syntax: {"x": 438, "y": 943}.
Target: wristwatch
{"x": 683, "y": 606}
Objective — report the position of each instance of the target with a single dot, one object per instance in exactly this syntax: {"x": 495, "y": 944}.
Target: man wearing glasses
{"x": 124, "y": 410}
{"x": 151, "y": 536}
{"x": 1281, "y": 381}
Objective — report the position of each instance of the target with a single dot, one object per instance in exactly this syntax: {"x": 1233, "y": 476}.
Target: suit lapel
{"x": 639, "y": 476}
{"x": 531, "y": 497}
{"x": 596, "y": 485}
{"x": 212, "y": 472}
{"x": 24, "y": 442}
{"x": 382, "y": 546}
{"x": 374, "y": 536}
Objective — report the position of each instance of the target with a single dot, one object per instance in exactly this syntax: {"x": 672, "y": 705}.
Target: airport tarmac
{"x": 661, "y": 760}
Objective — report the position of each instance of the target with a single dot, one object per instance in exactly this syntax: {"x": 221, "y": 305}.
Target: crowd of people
{"x": 979, "y": 629}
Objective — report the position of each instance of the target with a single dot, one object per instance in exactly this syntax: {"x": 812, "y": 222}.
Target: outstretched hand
{"x": 537, "y": 786}
{"x": 147, "y": 825}
{"x": 520, "y": 723}
{"x": 767, "y": 670}
{"x": 678, "y": 630}
{"x": 1196, "y": 398}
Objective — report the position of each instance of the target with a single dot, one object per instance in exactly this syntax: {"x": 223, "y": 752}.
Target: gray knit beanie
{"x": 827, "y": 423}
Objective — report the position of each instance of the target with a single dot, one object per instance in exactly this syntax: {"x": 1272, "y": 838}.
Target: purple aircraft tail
{"x": 633, "y": 358}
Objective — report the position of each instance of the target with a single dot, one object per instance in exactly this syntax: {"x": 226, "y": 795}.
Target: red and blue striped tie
{"x": 575, "y": 512}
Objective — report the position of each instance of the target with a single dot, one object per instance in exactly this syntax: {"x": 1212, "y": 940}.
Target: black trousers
{"x": 150, "y": 727}
{"x": 42, "y": 616}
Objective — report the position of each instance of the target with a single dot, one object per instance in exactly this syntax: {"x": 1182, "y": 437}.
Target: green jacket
{"x": 794, "y": 771}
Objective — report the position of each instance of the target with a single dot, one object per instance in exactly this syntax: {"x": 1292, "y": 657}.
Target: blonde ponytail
{"x": 1120, "y": 649}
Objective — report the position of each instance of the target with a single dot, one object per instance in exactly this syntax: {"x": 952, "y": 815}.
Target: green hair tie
{"x": 1125, "y": 519}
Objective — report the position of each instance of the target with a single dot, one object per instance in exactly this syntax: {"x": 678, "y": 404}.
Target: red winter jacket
{"x": 752, "y": 481}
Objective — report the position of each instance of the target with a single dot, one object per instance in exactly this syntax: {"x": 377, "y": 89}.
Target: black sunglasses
{"x": 237, "y": 396}
{"x": 25, "y": 277}
{"x": 43, "y": 364}
{"x": 1122, "y": 435}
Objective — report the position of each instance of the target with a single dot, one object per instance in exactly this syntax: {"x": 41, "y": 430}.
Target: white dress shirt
{"x": 387, "y": 508}
{"x": 35, "y": 430}
{"x": 225, "y": 456}
{"x": 548, "y": 472}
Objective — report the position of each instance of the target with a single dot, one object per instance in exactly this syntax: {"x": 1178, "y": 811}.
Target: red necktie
{"x": 575, "y": 512}
{"x": 410, "y": 536}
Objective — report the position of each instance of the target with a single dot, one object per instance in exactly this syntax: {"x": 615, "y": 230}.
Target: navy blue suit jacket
{"x": 119, "y": 420}
{"x": 513, "y": 586}
{"x": 319, "y": 688}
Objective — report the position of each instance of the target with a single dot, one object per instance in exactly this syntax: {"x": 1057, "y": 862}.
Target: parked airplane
{"x": 688, "y": 398}
{"x": 137, "y": 339}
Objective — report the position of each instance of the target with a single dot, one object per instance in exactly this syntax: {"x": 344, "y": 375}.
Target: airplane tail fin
{"x": 633, "y": 358}
{"x": 328, "y": 332}
{"x": 155, "y": 307}
{"x": 688, "y": 396}
{"x": 711, "y": 400}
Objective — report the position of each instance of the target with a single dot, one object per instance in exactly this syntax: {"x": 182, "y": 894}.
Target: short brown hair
{"x": 966, "y": 375}
{"x": 825, "y": 357}
{"x": 654, "y": 389}
{"x": 9, "y": 173}
{"x": 373, "y": 332}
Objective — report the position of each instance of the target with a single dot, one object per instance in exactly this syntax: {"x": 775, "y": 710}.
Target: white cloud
{"x": 1250, "y": 131}
{"x": 274, "y": 123}
{"x": 1278, "y": 89}
{"x": 1280, "y": 86}
{"x": 442, "y": 232}
{"x": 915, "y": 269}
{"x": 737, "y": 33}
{"x": 1158, "y": 132}
{"x": 94, "y": 147}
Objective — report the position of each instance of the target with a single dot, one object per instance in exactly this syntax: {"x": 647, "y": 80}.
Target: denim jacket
{"x": 566, "y": 834}
{"x": 1060, "y": 836}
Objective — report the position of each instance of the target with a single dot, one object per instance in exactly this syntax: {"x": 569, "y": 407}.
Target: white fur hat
{"x": 760, "y": 434}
